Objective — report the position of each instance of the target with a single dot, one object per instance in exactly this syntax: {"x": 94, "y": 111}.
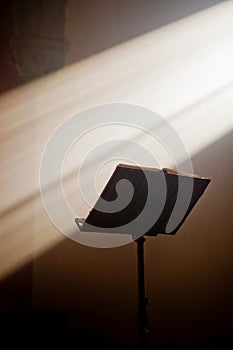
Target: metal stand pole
{"x": 141, "y": 318}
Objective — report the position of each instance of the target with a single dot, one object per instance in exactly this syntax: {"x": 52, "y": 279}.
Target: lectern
{"x": 159, "y": 203}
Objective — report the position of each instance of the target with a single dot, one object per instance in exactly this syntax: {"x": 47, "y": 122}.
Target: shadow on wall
{"x": 32, "y": 40}
{"x": 81, "y": 295}
{"x": 38, "y": 37}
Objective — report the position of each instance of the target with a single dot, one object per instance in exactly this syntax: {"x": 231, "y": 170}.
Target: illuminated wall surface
{"x": 183, "y": 72}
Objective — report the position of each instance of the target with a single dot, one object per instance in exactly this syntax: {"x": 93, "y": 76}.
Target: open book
{"x": 161, "y": 201}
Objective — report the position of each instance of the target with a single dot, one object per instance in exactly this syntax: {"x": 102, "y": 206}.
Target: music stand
{"x": 146, "y": 181}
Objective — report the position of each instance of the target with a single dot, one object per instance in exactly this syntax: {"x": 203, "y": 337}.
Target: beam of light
{"x": 183, "y": 71}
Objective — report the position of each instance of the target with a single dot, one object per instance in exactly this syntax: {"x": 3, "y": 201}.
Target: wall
{"x": 93, "y": 26}
{"x": 40, "y": 37}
